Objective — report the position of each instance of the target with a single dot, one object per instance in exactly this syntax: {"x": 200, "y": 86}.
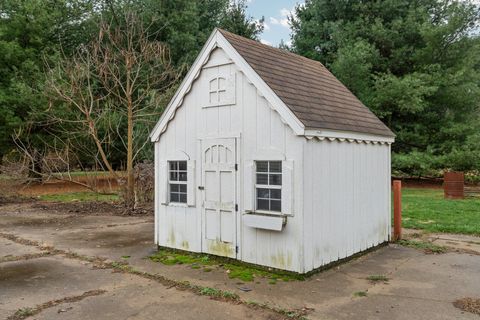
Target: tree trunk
{"x": 130, "y": 194}
{"x": 35, "y": 171}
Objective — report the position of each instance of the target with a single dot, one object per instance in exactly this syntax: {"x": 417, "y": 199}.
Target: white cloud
{"x": 285, "y": 12}
{"x": 265, "y": 42}
{"x": 266, "y": 26}
{"x": 274, "y": 20}
{"x": 283, "y": 20}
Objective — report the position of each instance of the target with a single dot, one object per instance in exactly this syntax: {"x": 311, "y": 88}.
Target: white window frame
{"x": 170, "y": 182}
{"x": 268, "y": 186}
{"x": 217, "y": 89}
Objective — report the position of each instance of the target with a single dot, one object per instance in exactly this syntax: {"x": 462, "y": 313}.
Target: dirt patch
{"x": 20, "y": 272}
{"x": 104, "y": 184}
{"x": 468, "y": 304}
{"x": 9, "y": 199}
{"x": 94, "y": 208}
{"x": 28, "y": 312}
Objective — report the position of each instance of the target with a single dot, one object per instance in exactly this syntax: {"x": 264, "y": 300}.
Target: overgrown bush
{"x": 144, "y": 182}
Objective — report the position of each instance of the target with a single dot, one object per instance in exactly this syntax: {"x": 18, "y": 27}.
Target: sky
{"x": 276, "y": 22}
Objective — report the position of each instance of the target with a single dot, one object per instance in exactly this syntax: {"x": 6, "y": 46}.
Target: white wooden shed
{"x": 264, "y": 156}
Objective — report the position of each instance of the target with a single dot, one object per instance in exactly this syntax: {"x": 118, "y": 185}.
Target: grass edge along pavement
{"x": 122, "y": 266}
{"x": 235, "y": 269}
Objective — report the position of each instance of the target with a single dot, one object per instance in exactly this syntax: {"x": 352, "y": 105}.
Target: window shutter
{"x": 191, "y": 183}
{"x": 249, "y": 186}
{"x": 287, "y": 187}
{"x": 162, "y": 182}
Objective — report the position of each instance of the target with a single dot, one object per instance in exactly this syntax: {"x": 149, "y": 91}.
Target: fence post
{"x": 397, "y": 210}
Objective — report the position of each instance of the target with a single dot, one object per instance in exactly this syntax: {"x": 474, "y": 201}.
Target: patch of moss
{"x": 236, "y": 270}
{"x": 377, "y": 278}
{"x": 360, "y": 294}
{"x": 212, "y": 292}
{"x": 426, "y": 246}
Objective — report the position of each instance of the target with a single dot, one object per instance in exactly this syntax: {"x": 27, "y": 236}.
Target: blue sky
{"x": 275, "y": 13}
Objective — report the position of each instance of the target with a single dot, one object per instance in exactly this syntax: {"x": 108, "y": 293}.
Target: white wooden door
{"x": 219, "y": 197}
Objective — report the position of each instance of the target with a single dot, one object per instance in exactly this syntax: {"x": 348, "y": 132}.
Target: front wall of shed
{"x": 346, "y": 199}
{"x": 260, "y": 133}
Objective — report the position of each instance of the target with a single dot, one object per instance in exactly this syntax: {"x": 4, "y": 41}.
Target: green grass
{"x": 378, "y": 278}
{"x": 428, "y": 247}
{"x": 24, "y": 313}
{"x": 426, "y": 209}
{"x": 212, "y": 292}
{"x": 79, "y": 196}
{"x": 360, "y": 294}
{"x": 235, "y": 270}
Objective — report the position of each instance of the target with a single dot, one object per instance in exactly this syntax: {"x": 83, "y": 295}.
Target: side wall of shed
{"x": 346, "y": 199}
{"x": 261, "y": 135}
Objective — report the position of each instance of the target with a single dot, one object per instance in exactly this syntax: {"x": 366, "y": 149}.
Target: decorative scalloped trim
{"x": 331, "y": 139}
{"x": 189, "y": 88}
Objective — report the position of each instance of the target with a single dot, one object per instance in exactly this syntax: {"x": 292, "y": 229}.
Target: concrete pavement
{"x": 419, "y": 286}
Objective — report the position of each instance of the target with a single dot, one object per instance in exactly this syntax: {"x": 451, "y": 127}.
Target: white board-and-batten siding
{"x": 260, "y": 135}
{"x": 346, "y": 199}
{"x": 337, "y": 194}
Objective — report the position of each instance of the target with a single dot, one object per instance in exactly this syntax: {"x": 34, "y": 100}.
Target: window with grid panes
{"x": 268, "y": 186}
{"x": 177, "y": 181}
{"x": 217, "y": 90}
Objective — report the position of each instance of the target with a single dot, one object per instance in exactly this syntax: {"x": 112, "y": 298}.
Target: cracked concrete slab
{"x": 26, "y": 284}
{"x": 9, "y": 248}
{"x": 419, "y": 286}
{"x": 150, "y": 301}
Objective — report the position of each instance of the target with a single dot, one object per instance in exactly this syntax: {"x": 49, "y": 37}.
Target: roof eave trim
{"x": 347, "y": 135}
{"x": 184, "y": 88}
{"x": 215, "y": 40}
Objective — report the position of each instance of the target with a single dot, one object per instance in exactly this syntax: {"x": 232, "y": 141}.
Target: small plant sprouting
{"x": 378, "y": 278}
{"x": 427, "y": 247}
{"x": 23, "y": 313}
{"x": 360, "y": 294}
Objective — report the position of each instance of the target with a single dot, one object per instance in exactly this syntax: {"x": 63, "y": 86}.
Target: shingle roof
{"x": 315, "y": 96}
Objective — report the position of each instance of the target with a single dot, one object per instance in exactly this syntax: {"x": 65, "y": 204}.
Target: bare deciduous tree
{"x": 121, "y": 72}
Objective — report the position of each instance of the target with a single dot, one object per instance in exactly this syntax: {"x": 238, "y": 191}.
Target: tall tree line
{"x": 36, "y": 36}
{"x": 415, "y": 63}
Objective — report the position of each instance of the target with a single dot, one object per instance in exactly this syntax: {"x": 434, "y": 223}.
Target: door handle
{"x": 201, "y": 188}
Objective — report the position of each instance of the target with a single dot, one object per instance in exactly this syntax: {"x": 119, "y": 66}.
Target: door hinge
{"x": 236, "y": 249}
{"x": 236, "y": 166}
{"x": 236, "y": 207}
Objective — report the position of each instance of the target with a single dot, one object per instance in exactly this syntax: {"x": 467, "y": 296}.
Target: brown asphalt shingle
{"x": 315, "y": 96}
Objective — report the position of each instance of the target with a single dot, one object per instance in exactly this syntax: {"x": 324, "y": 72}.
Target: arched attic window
{"x": 218, "y": 90}
{"x": 221, "y": 90}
